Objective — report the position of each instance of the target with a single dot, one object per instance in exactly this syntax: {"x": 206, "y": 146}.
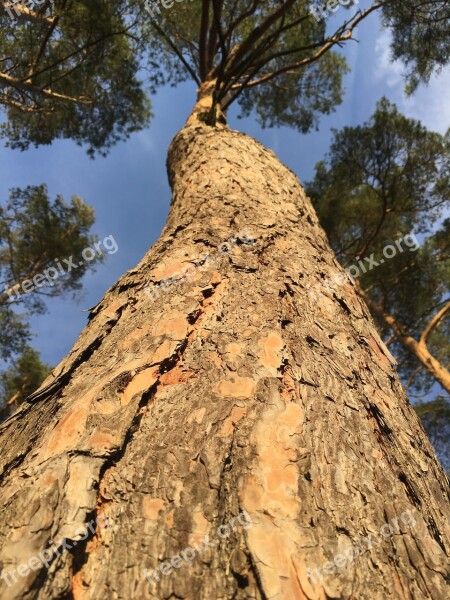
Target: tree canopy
{"x": 23, "y": 377}
{"x": 69, "y": 70}
{"x": 83, "y": 70}
{"x": 382, "y": 181}
{"x": 37, "y": 237}
{"x": 420, "y": 37}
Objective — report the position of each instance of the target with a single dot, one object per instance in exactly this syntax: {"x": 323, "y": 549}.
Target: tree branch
{"x": 239, "y": 51}
{"x": 434, "y": 323}
{"x": 7, "y": 80}
{"x": 22, "y": 13}
{"x": 187, "y": 66}
{"x": 203, "y": 40}
{"x": 345, "y": 33}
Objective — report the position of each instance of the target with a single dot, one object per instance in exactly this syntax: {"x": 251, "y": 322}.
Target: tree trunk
{"x": 225, "y": 397}
{"x": 419, "y": 349}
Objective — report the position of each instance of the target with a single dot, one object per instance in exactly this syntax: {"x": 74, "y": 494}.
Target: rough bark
{"x": 232, "y": 389}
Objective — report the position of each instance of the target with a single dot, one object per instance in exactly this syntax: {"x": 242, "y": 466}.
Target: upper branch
{"x": 22, "y": 13}
{"x": 343, "y": 34}
{"x": 434, "y": 323}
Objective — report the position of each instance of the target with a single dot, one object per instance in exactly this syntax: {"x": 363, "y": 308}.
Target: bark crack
{"x": 81, "y": 555}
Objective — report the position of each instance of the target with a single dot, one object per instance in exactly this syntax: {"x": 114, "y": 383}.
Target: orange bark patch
{"x": 151, "y": 507}
{"x": 172, "y": 324}
{"x": 100, "y": 440}
{"x": 284, "y": 244}
{"x": 272, "y": 551}
{"x": 175, "y": 376}
{"x": 276, "y": 475}
{"x": 239, "y": 387}
{"x": 215, "y": 359}
{"x": 69, "y": 429}
{"x": 167, "y": 271}
{"x": 166, "y": 349}
{"x": 216, "y": 278}
{"x": 233, "y": 348}
{"x": 142, "y": 382}
{"x": 271, "y": 346}
{"x": 201, "y": 528}
{"x": 112, "y": 308}
{"x": 310, "y": 591}
{"x": 78, "y": 589}
{"x": 228, "y": 425}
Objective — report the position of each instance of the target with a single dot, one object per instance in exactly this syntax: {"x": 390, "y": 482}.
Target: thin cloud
{"x": 429, "y": 104}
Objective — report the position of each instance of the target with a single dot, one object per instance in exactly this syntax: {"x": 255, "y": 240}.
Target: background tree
{"x": 236, "y": 391}
{"x": 385, "y": 180}
{"x": 36, "y": 235}
{"x": 382, "y": 181}
{"x": 435, "y": 416}
{"x": 23, "y": 377}
{"x": 420, "y": 37}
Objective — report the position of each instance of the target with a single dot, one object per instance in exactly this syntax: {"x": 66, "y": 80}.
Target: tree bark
{"x": 206, "y": 385}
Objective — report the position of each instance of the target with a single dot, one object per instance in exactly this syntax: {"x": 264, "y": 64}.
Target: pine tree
{"x": 242, "y": 440}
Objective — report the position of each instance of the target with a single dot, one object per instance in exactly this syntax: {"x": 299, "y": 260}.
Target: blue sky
{"x": 129, "y": 189}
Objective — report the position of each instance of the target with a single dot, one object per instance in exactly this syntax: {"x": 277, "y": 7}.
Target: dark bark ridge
{"x": 232, "y": 390}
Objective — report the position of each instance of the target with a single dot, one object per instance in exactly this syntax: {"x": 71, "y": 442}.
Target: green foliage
{"x": 420, "y": 36}
{"x": 381, "y": 181}
{"x": 294, "y": 97}
{"x": 20, "y": 380}
{"x": 297, "y": 98}
{"x": 14, "y": 333}
{"x": 72, "y": 74}
{"x": 82, "y": 70}
{"x": 34, "y": 233}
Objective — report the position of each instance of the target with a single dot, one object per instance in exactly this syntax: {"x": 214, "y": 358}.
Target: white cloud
{"x": 429, "y": 104}
{"x": 387, "y": 70}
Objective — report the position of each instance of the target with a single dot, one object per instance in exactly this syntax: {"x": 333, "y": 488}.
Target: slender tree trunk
{"x": 226, "y": 389}
{"x": 419, "y": 349}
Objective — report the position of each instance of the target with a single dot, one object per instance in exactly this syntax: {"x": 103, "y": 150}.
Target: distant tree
{"x": 37, "y": 240}
{"x": 420, "y": 36}
{"x": 382, "y": 181}
{"x": 23, "y": 377}
{"x": 37, "y": 235}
